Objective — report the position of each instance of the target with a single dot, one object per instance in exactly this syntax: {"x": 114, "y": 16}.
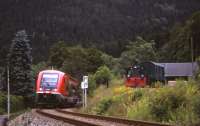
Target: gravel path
{"x": 33, "y": 119}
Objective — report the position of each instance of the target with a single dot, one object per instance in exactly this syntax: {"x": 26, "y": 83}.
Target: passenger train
{"x": 56, "y": 87}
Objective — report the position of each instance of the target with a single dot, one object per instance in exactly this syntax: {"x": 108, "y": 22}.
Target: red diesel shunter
{"x": 135, "y": 77}
{"x": 56, "y": 87}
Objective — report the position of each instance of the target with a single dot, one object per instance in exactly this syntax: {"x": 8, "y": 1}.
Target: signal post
{"x": 84, "y": 86}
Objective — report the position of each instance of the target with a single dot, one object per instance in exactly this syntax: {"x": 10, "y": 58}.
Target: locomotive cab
{"x": 135, "y": 77}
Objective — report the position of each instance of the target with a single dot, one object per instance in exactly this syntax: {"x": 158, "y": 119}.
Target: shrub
{"x": 137, "y": 94}
{"x": 16, "y": 103}
{"x": 165, "y": 101}
{"x": 92, "y": 84}
{"x": 3, "y": 103}
{"x": 103, "y": 106}
{"x": 140, "y": 110}
{"x": 103, "y": 75}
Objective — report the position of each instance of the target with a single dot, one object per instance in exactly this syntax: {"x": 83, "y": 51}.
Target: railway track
{"x": 81, "y": 119}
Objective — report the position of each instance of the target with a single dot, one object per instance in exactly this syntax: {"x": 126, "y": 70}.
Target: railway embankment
{"x": 31, "y": 118}
{"x": 177, "y": 105}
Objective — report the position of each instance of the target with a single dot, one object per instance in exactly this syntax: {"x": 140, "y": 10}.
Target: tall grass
{"x": 179, "y": 105}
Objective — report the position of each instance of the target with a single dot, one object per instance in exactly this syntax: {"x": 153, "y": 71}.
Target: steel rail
{"x": 114, "y": 119}
{"x": 67, "y": 120}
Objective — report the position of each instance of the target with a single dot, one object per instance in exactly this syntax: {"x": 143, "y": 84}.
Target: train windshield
{"x": 49, "y": 80}
{"x": 134, "y": 71}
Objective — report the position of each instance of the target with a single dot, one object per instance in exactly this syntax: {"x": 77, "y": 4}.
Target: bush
{"x": 140, "y": 110}
{"x": 92, "y": 84}
{"x": 17, "y": 103}
{"x": 3, "y": 103}
{"x": 103, "y": 106}
{"x": 137, "y": 95}
{"x": 178, "y": 105}
{"x": 103, "y": 75}
{"x": 164, "y": 102}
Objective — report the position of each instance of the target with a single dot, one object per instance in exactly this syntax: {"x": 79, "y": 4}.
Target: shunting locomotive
{"x": 144, "y": 74}
{"x": 135, "y": 77}
{"x": 56, "y": 87}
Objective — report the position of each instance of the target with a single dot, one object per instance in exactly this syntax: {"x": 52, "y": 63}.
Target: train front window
{"x": 49, "y": 80}
{"x": 133, "y": 72}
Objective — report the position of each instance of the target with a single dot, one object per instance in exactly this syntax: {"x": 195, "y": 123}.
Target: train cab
{"x": 54, "y": 86}
{"x": 135, "y": 77}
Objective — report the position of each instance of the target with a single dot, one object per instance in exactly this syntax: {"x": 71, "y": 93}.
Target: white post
{"x": 85, "y": 97}
{"x": 8, "y": 86}
{"x": 84, "y": 86}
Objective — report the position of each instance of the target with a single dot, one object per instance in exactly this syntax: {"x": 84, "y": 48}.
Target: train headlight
{"x": 55, "y": 90}
{"x": 40, "y": 89}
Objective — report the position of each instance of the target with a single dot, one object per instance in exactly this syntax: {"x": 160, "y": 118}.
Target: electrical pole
{"x": 192, "y": 55}
{"x": 8, "y": 104}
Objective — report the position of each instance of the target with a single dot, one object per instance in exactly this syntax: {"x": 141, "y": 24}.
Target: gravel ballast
{"x": 33, "y": 119}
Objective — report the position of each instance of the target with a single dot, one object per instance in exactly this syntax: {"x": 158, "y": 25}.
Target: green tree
{"x": 36, "y": 68}
{"x": 103, "y": 75}
{"x": 75, "y": 62}
{"x": 94, "y": 59}
{"x": 138, "y": 51}
{"x": 179, "y": 46}
{"x": 58, "y": 53}
{"x": 19, "y": 61}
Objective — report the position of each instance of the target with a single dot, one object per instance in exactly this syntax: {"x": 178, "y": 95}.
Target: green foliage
{"x": 166, "y": 101}
{"x": 58, "y": 53}
{"x": 140, "y": 110}
{"x": 111, "y": 62}
{"x": 36, "y": 68}
{"x": 103, "y": 75}
{"x": 138, "y": 51}
{"x": 75, "y": 63}
{"x": 20, "y": 60}
{"x": 77, "y": 60}
{"x": 92, "y": 84}
{"x": 103, "y": 106}
{"x": 137, "y": 95}
{"x": 3, "y": 103}
{"x": 178, "y": 105}
{"x": 94, "y": 59}
{"x": 180, "y": 40}
{"x": 17, "y": 103}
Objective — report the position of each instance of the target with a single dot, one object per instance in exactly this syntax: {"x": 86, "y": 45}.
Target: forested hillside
{"x": 106, "y": 24}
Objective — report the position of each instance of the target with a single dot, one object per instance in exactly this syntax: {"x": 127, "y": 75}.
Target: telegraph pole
{"x": 8, "y": 86}
{"x": 192, "y": 55}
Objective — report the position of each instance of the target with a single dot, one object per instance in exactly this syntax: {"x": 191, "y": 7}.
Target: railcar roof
{"x": 178, "y": 69}
{"x": 52, "y": 71}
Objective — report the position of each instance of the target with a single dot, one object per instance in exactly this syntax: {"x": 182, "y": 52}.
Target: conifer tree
{"x": 19, "y": 61}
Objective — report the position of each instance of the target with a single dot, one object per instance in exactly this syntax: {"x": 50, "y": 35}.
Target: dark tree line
{"x": 104, "y": 24}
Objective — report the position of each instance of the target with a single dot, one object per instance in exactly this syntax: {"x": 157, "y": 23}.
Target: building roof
{"x": 180, "y": 69}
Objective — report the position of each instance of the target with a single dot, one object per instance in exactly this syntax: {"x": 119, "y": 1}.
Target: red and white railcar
{"x": 56, "y": 87}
